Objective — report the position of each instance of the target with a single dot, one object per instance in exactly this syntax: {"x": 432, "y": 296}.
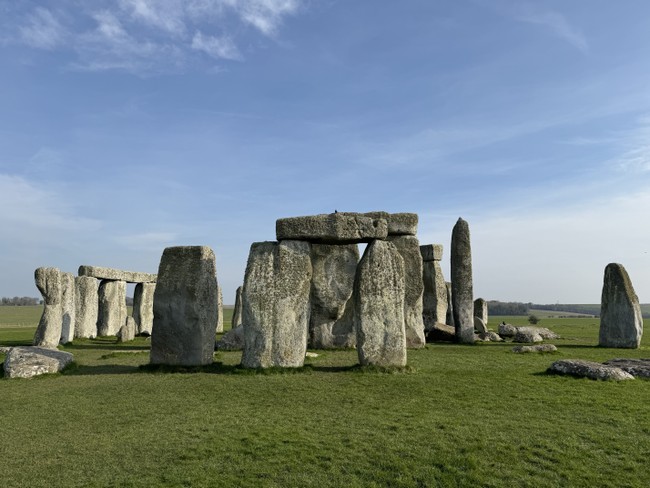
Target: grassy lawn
{"x": 463, "y": 416}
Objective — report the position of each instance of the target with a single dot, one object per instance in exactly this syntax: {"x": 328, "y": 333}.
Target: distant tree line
{"x": 496, "y": 307}
{"x": 20, "y": 301}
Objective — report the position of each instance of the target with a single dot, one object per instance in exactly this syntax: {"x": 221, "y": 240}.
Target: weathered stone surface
{"x": 26, "y": 362}
{"x": 409, "y": 248}
{"x": 639, "y": 368}
{"x": 526, "y": 335}
{"x": 440, "y": 332}
{"x": 276, "y": 308}
{"x": 490, "y": 336}
{"x": 237, "y": 312}
{"x": 449, "y": 319}
{"x": 461, "y": 283}
{"x": 379, "y": 306}
{"x": 479, "y": 326}
{"x": 335, "y": 228}
{"x": 49, "y": 283}
{"x": 589, "y": 369}
{"x": 143, "y": 307}
{"x": 481, "y": 310}
{"x": 333, "y": 268}
{"x": 185, "y": 307}
{"x": 116, "y": 274}
{"x": 233, "y": 340}
{"x": 621, "y": 324}
{"x": 431, "y": 252}
{"x": 68, "y": 310}
{"x": 112, "y": 310}
{"x": 507, "y": 330}
{"x": 543, "y": 332}
{"x": 86, "y": 307}
{"x": 434, "y": 296}
{"x": 536, "y": 348}
{"x": 127, "y": 331}
{"x": 220, "y": 309}
{"x": 399, "y": 224}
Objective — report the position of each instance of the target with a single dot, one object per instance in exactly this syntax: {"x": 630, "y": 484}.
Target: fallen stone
{"x": 27, "y": 362}
{"x": 434, "y": 296}
{"x": 621, "y": 323}
{"x": 49, "y": 283}
{"x": 440, "y": 332}
{"x": 237, "y": 311}
{"x": 185, "y": 307}
{"x": 116, "y": 274}
{"x": 379, "y": 306}
{"x": 536, "y": 348}
{"x": 68, "y": 310}
{"x": 589, "y": 369}
{"x": 639, "y": 368}
{"x": 112, "y": 310}
{"x": 335, "y": 228}
{"x": 233, "y": 340}
{"x": 431, "y": 252}
{"x": 526, "y": 335}
{"x": 507, "y": 330}
{"x": 127, "y": 331}
{"x": 479, "y": 326}
{"x": 333, "y": 273}
{"x": 490, "y": 336}
{"x": 543, "y": 332}
{"x": 86, "y": 307}
{"x": 275, "y": 297}
{"x": 143, "y": 307}
{"x": 399, "y": 224}
{"x": 461, "y": 283}
{"x": 481, "y": 310}
{"x": 311, "y": 355}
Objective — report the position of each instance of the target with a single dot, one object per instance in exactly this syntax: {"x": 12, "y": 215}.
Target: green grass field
{"x": 462, "y": 416}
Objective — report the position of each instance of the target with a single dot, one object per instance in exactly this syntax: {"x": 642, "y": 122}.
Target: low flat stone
{"x": 589, "y": 369}
{"x": 490, "y": 336}
{"x": 233, "y": 340}
{"x": 399, "y": 224}
{"x": 431, "y": 252}
{"x": 27, "y": 362}
{"x": 544, "y": 333}
{"x": 116, "y": 274}
{"x": 507, "y": 330}
{"x": 127, "y": 331}
{"x": 535, "y": 348}
{"x": 636, "y": 367}
{"x": 479, "y": 325}
{"x": 335, "y": 228}
{"x": 440, "y": 332}
{"x": 525, "y": 335}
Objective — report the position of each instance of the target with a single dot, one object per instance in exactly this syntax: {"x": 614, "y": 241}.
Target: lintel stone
{"x": 334, "y": 228}
{"x": 431, "y": 252}
{"x": 116, "y": 274}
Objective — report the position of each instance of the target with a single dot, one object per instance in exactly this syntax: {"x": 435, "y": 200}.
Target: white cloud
{"x": 217, "y": 47}
{"x": 42, "y": 30}
{"x": 555, "y": 22}
{"x": 636, "y": 146}
{"x": 167, "y": 15}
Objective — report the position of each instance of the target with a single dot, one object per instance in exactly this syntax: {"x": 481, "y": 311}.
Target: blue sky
{"x": 130, "y": 125}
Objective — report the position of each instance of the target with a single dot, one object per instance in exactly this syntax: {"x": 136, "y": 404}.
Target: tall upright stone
{"x": 621, "y": 323}
{"x": 276, "y": 308}
{"x": 481, "y": 310}
{"x": 86, "y": 307}
{"x": 378, "y": 296}
{"x": 220, "y": 310}
{"x": 112, "y": 309}
{"x": 237, "y": 311}
{"x": 68, "y": 310}
{"x": 449, "y": 320}
{"x": 143, "y": 307}
{"x": 409, "y": 249}
{"x": 461, "y": 283}
{"x": 49, "y": 283}
{"x": 332, "y": 281}
{"x": 434, "y": 296}
{"x": 185, "y": 307}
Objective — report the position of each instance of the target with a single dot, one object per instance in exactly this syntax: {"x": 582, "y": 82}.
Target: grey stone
{"x": 49, "y": 283}
{"x": 143, "y": 307}
{"x": 431, "y": 252}
{"x": 526, "y": 335}
{"x": 86, "y": 307}
{"x": 185, "y": 307}
{"x": 26, "y": 362}
{"x": 536, "y": 348}
{"x": 589, "y": 369}
{"x": 461, "y": 283}
{"x": 220, "y": 309}
{"x": 434, "y": 296}
{"x": 621, "y": 324}
{"x": 68, "y": 310}
{"x": 276, "y": 307}
{"x": 127, "y": 331}
{"x": 409, "y": 248}
{"x": 479, "y": 326}
{"x": 543, "y": 332}
{"x": 335, "y": 228}
{"x": 112, "y": 310}
{"x": 507, "y": 330}
{"x": 379, "y": 306}
{"x": 481, "y": 310}
{"x": 399, "y": 224}
{"x": 237, "y": 312}
{"x": 449, "y": 318}
{"x": 490, "y": 336}
{"x": 233, "y": 340}
{"x": 116, "y": 274}
{"x": 332, "y": 281}
{"x": 440, "y": 332}
{"x": 639, "y": 368}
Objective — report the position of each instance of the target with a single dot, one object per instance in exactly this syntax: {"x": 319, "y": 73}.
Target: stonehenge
{"x": 237, "y": 311}
{"x": 143, "y": 307}
{"x": 49, "y": 283}
{"x": 621, "y": 324}
{"x": 461, "y": 283}
{"x": 112, "y": 311}
{"x": 434, "y": 298}
{"x": 86, "y": 307}
{"x": 68, "y": 310}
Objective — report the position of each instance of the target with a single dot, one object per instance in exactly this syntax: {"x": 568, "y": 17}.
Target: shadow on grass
{"x": 109, "y": 344}
{"x": 16, "y": 343}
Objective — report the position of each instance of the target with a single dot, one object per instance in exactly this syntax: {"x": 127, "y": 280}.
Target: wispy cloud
{"x": 635, "y": 145}
{"x": 217, "y": 47}
{"x": 42, "y": 30}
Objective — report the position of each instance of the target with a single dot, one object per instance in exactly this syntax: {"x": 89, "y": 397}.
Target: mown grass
{"x": 459, "y": 416}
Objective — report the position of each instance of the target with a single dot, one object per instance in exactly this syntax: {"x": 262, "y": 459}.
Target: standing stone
{"x": 68, "y": 309}
{"x": 185, "y": 307}
{"x": 461, "y": 283}
{"x": 143, "y": 307}
{"x": 332, "y": 281}
{"x": 127, "y": 331}
{"x": 49, "y": 283}
{"x": 276, "y": 308}
{"x": 237, "y": 311}
{"x": 86, "y": 303}
{"x": 449, "y": 319}
{"x": 220, "y": 309}
{"x": 378, "y": 296}
{"x": 621, "y": 324}
{"x": 434, "y": 297}
{"x": 481, "y": 310}
{"x": 409, "y": 248}
{"x": 112, "y": 310}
